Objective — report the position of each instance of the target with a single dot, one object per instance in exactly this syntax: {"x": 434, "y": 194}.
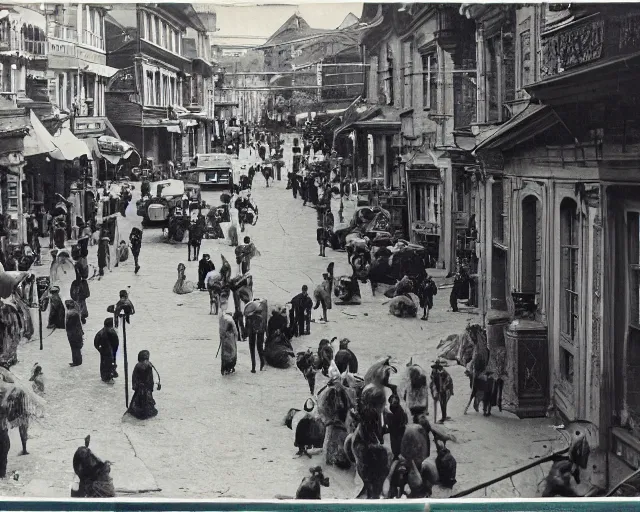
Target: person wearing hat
{"x": 441, "y": 387}
{"x": 56, "y": 309}
{"x": 300, "y": 314}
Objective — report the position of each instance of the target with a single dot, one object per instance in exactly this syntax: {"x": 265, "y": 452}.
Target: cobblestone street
{"x": 223, "y": 437}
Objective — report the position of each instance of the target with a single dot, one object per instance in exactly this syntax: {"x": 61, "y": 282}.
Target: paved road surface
{"x": 224, "y": 436}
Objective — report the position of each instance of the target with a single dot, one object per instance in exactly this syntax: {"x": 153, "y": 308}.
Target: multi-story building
{"x": 420, "y": 96}
{"x": 558, "y": 196}
{"x": 145, "y": 99}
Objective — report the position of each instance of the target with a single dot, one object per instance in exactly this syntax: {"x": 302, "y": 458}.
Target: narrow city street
{"x": 224, "y": 436}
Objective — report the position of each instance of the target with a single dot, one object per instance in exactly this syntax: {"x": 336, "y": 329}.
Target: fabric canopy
{"x": 39, "y": 140}
{"x": 69, "y": 146}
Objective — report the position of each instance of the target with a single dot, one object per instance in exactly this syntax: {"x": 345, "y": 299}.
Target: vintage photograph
{"x": 375, "y": 250}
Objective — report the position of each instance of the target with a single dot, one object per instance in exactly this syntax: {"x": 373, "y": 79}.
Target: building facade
{"x": 146, "y": 98}
{"x": 557, "y": 199}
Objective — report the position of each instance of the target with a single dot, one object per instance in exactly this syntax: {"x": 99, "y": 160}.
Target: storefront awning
{"x": 530, "y": 122}
{"x": 99, "y": 69}
{"x": 39, "y": 140}
{"x": 69, "y": 147}
{"x": 112, "y": 150}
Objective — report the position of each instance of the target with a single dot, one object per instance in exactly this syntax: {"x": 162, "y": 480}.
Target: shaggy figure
{"x": 183, "y": 286}
{"x": 322, "y": 293}
{"x": 56, "y": 309}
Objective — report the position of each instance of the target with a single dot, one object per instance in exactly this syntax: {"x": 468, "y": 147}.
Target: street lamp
{"x": 341, "y": 210}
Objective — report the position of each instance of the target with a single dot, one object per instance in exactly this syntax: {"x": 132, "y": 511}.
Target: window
{"x": 149, "y": 27}
{"x": 429, "y": 82}
{"x": 569, "y": 270}
{"x": 633, "y": 223}
{"x": 425, "y": 203}
{"x": 156, "y": 33}
{"x": 497, "y": 211}
{"x": 158, "y": 89}
{"x": 173, "y": 91}
{"x": 499, "y": 76}
{"x": 165, "y": 40}
{"x": 149, "y": 88}
{"x": 389, "y": 81}
{"x": 531, "y": 250}
{"x": 407, "y": 73}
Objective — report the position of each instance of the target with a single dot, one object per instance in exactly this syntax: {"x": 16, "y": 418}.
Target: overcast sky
{"x": 243, "y": 18}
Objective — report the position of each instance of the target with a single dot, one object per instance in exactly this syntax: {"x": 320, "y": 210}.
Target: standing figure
{"x": 135, "y": 239}
{"x": 322, "y": 293}
{"x": 228, "y": 344}
{"x": 300, "y": 314}
{"x": 441, "y": 387}
{"x": 244, "y": 254}
{"x": 204, "y": 267}
{"x": 459, "y": 281}
{"x": 142, "y": 405}
{"x": 56, "y": 309}
{"x": 104, "y": 342}
{"x": 75, "y": 333}
{"x": 255, "y": 314}
{"x": 104, "y": 257}
{"x": 426, "y": 291}
{"x": 196, "y": 234}
{"x": 232, "y": 232}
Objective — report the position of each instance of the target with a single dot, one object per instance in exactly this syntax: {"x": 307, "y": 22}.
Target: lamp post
{"x": 341, "y": 210}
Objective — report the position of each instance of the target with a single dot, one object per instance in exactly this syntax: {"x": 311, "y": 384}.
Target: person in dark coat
{"x": 204, "y": 267}
{"x": 135, "y": 239}
{"x": 142, "y": 404}
{"x": 103, "y": 255}
{"x": 459, "y": 281}
{"x": 300, "y": 315}
{"x": 427, "y": 289}
{"x": 107, "y": 342}
{"x": 75, "y": 333}
{"x": 80, "y": 287}
{"x": 145, "y": 188}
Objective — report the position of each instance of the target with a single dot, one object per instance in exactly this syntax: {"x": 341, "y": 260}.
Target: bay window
{"x": 499, "y": 60}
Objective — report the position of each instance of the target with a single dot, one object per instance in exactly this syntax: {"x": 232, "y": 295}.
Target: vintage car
{"x": 155, "y": 211}
{"x": 210, "y": 170}
{"x": 373, "y": 223}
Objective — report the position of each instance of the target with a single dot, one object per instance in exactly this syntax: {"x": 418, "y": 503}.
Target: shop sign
{"x": 111, "y": 147}
{"x": 91, "y": 57}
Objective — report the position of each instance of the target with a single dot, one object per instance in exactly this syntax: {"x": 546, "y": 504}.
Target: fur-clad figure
{"x": 278, "y": 350}
{"x": 56, "y": 309}
{"x": 94, "y": 474}
{"x": 228, "y": 344}
{"x": 416, "y": 393}
{"x": 441, "y": 387}
{"x": 183, "y": 286}
{"x": 334, "y": 404}
{"x": 403, "y": 306}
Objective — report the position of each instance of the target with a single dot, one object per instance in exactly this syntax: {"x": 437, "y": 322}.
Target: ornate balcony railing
{"x": 586, "y": 40}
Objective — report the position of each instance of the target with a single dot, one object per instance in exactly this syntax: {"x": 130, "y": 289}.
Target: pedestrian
{"x": 75, "y": 333}
{"x": 122, "y": 253}
{"x": 142, "y": 405}
{"x": 80, "y": 287}
{"x": 104, "y": 256}
{"x": 204, "y": 267}
{"x": 459, "y": 280}
{"x": 300, "y": 315}
{"x": 104, "y": 342}
{"x": 135, "y": 239}
{"x": 322, "y": 293}
{"x": 295, "y": 184}
{"x": 426, "y": 290}
{"x": 145, "y": 188}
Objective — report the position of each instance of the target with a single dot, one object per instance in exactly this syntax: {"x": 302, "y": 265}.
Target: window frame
{"x": 569, "y": 341}
{"x": 407, "y": 51}
{"x": 429, "y": 80}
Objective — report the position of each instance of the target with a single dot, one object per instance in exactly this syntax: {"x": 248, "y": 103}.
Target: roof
{"x": 291, "y": 30}
{"x": 349, "y": 20}
{"x": 530, "y": 122}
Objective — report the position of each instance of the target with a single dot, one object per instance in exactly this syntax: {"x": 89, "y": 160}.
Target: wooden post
{"x": 126, "y": 361}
